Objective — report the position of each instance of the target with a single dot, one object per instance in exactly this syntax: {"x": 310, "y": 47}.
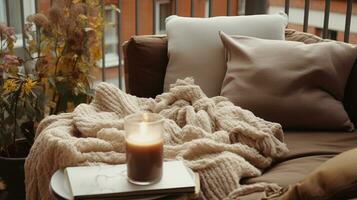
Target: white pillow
{"x": 195, "y": 49}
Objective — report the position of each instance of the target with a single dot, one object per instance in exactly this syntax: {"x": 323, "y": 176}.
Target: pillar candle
{"x": 144, "y": 148}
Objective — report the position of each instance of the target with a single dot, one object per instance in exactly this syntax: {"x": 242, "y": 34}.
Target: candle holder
{"x": 144, "y": 147}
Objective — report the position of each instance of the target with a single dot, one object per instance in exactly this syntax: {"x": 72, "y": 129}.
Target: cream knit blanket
{"x": 223, "y": 143}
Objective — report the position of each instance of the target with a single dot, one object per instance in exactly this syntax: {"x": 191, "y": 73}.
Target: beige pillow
{"x": 298, "y": 85}
{"x": 334, "y": 179}
{"x": 195, "y": 49}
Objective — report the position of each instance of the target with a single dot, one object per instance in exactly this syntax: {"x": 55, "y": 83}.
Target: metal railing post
{"x": 306, "y": 15}
{"x": 120, "y": 71}
{"x": 176, "y": 6}
{"x": 137, "y": 7}
{"x": 348, "y": 21}
{"x": 287, "y": 6}
{"x": 326, "y": 18}
{"x": 38, "y": 34}
{"x": 22, "y": 15}
{"x": 229, "y": 7}
{"x": 7, "y": 8}
{"x": 154, "y": 17}
{"x": 103, "y": 40}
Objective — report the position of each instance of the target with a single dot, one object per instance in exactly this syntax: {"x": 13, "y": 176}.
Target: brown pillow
{"x": 334, "y": 179}
{"x": 307, "y": 38}
{"x": 147, "y": 56}
{"x": 351, "y": 87}
{"x": 298, "y": 85}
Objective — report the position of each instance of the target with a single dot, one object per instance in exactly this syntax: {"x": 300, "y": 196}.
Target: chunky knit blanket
{"x": 223, "y": 143}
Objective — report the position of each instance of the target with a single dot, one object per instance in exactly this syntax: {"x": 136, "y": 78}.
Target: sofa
{"x": 145, "y": 61}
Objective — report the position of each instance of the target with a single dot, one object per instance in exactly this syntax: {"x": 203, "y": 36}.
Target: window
{"x": 207, "y": 8}
{"x": 241, "y": 7}
{"x": 15, "y": 17}
{"x": 111, "y": 40}
{"x": 2, "y": 12}
{"x": 163, "y": 10}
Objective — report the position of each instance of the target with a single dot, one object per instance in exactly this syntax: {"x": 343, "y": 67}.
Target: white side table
{"x": 59, "y": 186}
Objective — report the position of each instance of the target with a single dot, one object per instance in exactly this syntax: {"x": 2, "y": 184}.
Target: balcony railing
{"x": 158, "y": 10}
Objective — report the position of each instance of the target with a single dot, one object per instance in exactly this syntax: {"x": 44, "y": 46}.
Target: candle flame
{"x": 146, "y": 117}
{"x": 145, "y": 133}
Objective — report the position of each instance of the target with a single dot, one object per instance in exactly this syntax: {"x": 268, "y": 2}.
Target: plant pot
{"x": 12, "y": 170}
{"x": 12, "y": 173}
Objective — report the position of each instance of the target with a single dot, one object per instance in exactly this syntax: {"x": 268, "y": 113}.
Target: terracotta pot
{"x": 12, "y": 173}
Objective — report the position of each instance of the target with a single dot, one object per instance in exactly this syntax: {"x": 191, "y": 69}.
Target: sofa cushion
{"x": 308, "y": 150}
{"x": 292, "y": 171}
{"x": 195, "y": 50}
{"x": 298, "y": 85}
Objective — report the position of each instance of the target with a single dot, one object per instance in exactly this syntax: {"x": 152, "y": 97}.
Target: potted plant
{"x": 12, "y": 150}
{"x": 55, "y": 76}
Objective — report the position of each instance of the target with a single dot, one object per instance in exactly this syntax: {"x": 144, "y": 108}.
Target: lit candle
{"x": 144, "y": 147}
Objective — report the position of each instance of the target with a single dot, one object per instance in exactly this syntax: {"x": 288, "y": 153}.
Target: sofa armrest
{"x": 145, "y": 61}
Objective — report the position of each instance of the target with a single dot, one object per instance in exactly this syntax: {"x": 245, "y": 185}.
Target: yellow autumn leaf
{"x": 82, "y": 17}
{"x": 93, "y": 2}
{"x": 66, "y": 12}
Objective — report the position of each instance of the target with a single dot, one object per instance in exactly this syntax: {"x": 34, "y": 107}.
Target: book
{"x": 110, "y": 181}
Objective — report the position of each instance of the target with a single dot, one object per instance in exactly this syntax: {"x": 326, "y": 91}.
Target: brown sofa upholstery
{"x": 145, "y": 66}
{"x": 147, "y": 58}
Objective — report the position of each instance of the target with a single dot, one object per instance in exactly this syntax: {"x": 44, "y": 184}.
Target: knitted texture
{"x": 223, "y": 143}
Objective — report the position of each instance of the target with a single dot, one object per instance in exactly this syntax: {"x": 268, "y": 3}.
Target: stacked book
{"x": 110, "y": 182}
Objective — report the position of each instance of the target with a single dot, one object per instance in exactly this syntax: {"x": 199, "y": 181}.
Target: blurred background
{"x": 146, "y": 17}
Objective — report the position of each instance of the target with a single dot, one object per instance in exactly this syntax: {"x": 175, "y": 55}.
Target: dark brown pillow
{"x": 298, "y": 85}
{"x": 145, "y": 65}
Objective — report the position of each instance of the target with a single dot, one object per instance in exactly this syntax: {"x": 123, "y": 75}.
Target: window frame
{"x": 29, "y": 9}
{"x": 3, "y": 12}
{"x": 111, "y": 59}
{"x": 157, "y": 15}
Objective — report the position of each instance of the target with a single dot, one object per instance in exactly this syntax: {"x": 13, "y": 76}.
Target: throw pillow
{"x": 195, "y": 50}
{"x": 298, "y": 85}
{"x": 334, "y": 179}
{"x": 351, "y": 88}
